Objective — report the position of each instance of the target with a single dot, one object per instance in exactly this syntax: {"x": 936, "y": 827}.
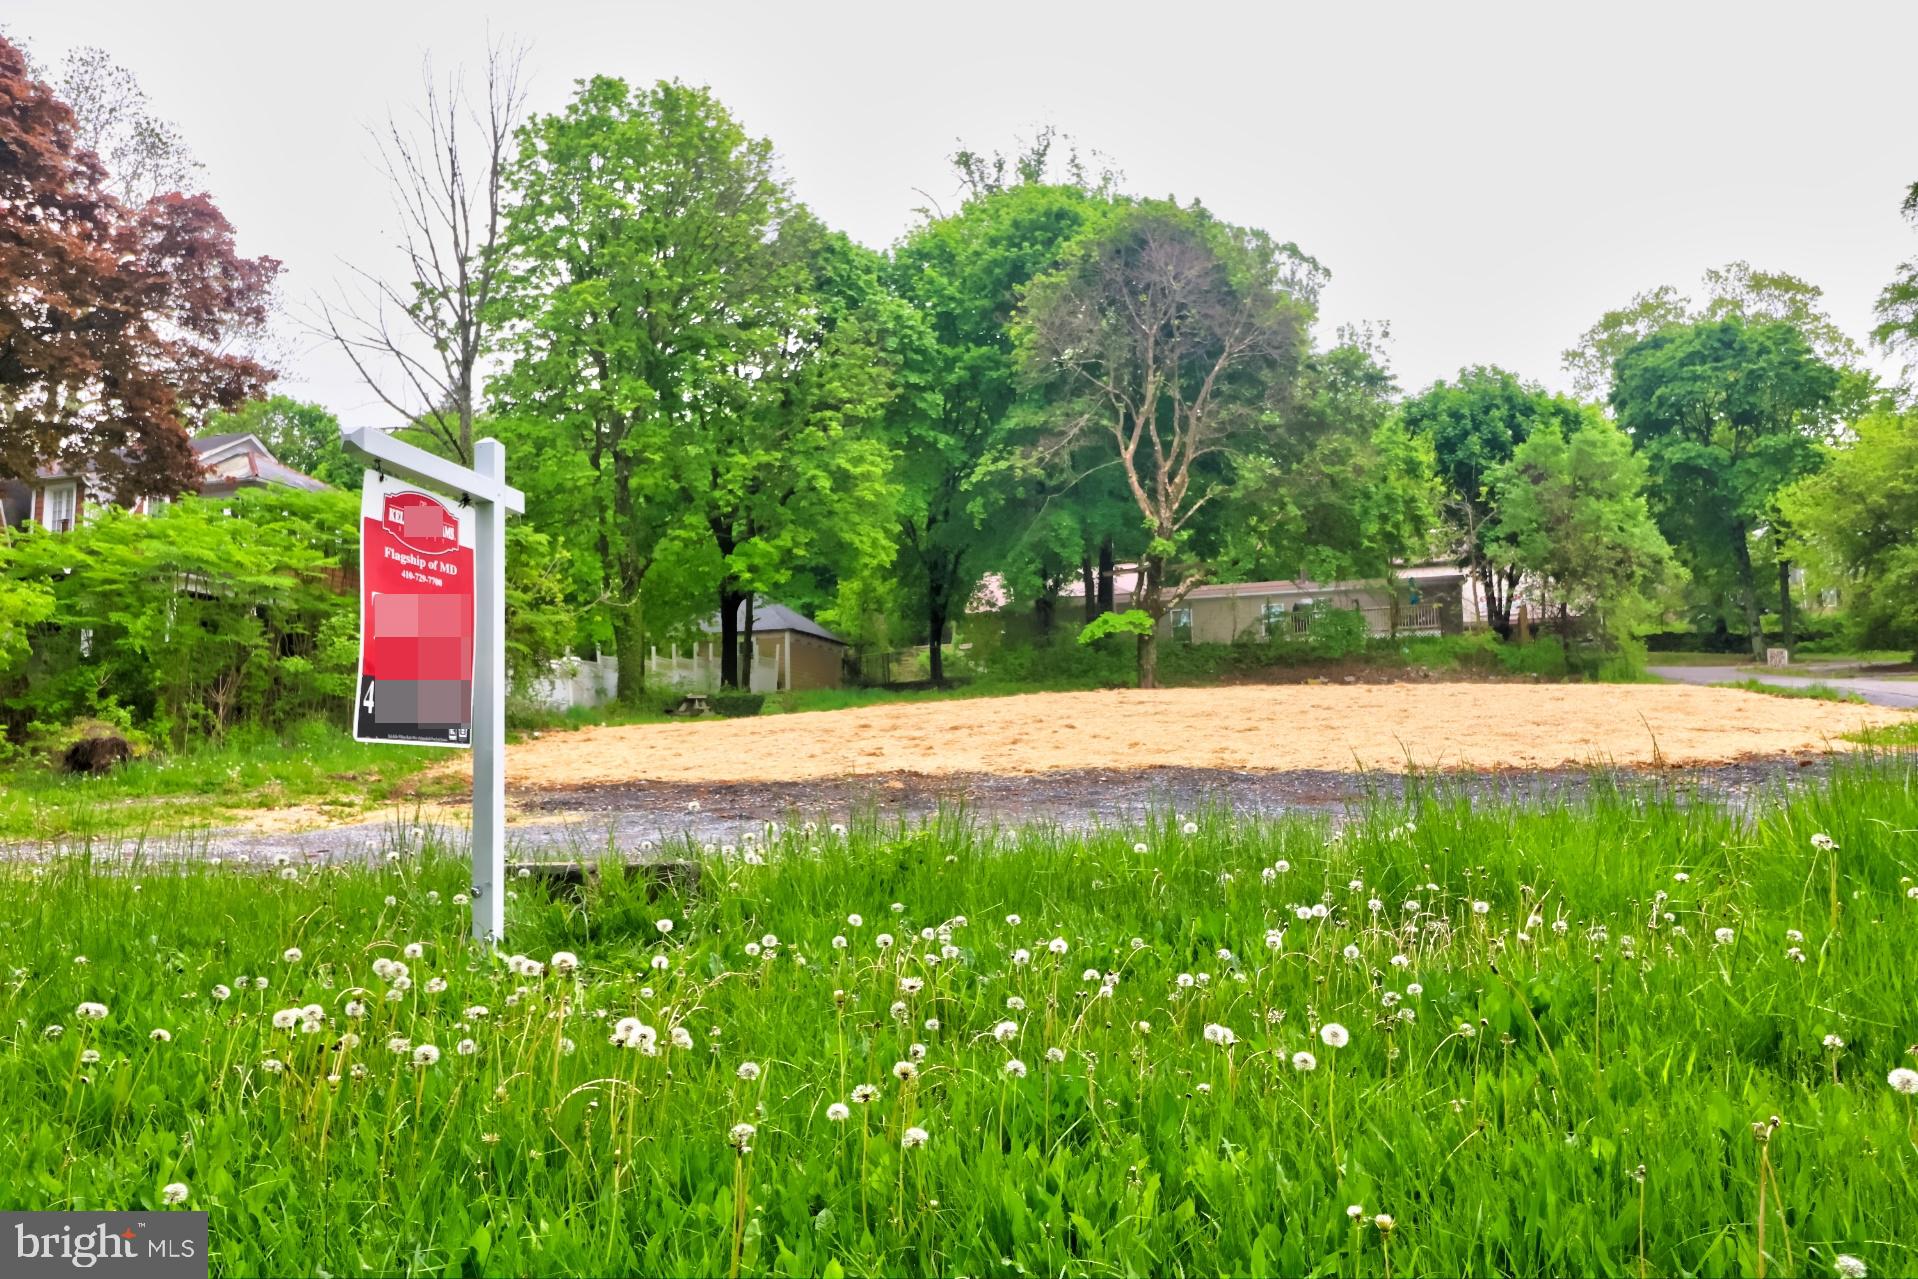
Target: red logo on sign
{"x": 421, "y": 523}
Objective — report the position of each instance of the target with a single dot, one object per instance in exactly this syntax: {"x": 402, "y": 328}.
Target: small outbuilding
{"x": 790, "y": 652}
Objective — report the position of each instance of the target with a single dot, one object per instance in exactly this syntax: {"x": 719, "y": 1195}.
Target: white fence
{"x": 697, "y": 670}
{"x": 594, "y": 681}
{"x": 576, "y": 681}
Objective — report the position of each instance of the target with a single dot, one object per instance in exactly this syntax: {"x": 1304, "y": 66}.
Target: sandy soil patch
{"x": 1264, "y": 728}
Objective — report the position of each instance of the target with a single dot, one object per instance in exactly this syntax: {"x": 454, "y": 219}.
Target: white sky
{"x": 1487, "y": 178}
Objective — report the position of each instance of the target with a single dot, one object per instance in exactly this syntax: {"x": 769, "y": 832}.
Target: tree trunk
{"x": 1748, "y": 588}
{"x": 1042, "y": 611}
{"x": 746, "y": 646}
{"x": 629, "y": 649}
{"x": 729, "y": 601}
{"x": 1105, "y": 576}
{"x": 1149, "y": 659}
{"x": 1152, "y": 584}
{"x": 1091, "y": 585}
{"x": 1498, "y": 603}
{"x": 936, "y": 629}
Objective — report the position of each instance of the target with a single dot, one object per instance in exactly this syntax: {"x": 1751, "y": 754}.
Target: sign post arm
{"x": 489, "y": 703}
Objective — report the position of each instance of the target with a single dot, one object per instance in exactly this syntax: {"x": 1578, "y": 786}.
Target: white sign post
{"x": 486, "y": 489}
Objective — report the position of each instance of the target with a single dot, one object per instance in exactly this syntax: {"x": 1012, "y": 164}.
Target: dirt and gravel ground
{"x": 1274, "y": 728}
{"x": 1082, "y": 759}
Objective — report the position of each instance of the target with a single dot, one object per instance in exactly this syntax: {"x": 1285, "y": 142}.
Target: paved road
{"x": 1902, "y": 693}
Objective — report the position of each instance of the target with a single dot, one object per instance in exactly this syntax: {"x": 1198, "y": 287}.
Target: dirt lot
{"x": 1336, "y": 728}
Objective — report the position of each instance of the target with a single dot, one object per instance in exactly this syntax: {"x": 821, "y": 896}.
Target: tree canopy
{"x": 954, "y": 425}
{"x": 111, "y": 315}
{"x": 1475, "y": 426}
{"x": 1726, "y": 414}
{"x": 1859, "y": 515}
{"x": 1176, "y": 341}
{"x": 1573, "y": 517}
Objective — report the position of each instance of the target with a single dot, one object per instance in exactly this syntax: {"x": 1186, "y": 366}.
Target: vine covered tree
{"x": 1177, "y": 340}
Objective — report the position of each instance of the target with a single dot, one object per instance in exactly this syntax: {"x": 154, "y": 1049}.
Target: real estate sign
{"x": 416, "y": 616}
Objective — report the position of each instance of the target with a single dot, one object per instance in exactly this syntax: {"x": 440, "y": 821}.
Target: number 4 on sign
{"x": 368, "y": 703}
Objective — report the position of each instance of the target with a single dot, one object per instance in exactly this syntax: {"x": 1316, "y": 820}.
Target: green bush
{"x": 737, "y": 705}
{"x": 1335, "y": 633}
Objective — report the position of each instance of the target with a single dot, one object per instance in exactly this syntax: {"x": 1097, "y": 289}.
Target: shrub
{"x": 737, "y": 705}
{"x": 1335, "y": 633}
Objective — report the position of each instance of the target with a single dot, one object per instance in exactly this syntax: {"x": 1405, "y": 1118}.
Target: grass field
{"x": 316, "y": 766}
{"x": 1810, "y": 692}
{"x": 1626, "y": 1037}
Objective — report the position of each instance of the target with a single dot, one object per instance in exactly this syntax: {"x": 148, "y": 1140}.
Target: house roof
{"x": 1125, "y": 583}
{"x": 213, "y": 442}
{"x": 768, "y": 618}
{"x": 262, "y": 466}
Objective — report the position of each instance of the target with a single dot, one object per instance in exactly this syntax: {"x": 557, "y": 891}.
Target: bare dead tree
{"x": 1175, "y": 338}
{"x": 418, "y": 343}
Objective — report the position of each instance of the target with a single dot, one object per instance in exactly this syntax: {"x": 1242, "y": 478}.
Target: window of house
{"x": 60, "y": 504}
{"x": 1182, "y": 624}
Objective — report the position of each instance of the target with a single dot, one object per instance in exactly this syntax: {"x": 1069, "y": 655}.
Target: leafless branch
{"x": 444, "y": 170}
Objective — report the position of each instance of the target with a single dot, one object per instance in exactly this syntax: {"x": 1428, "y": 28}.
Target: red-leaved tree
{"x": 111, "y": 316}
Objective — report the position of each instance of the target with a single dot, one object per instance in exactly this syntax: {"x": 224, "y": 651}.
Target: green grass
{"x": 208, "y": 785}
{"x": 1562, "y": 1080}
{"x": 1809, "y": 692}
{"x": 1890, "y": 736}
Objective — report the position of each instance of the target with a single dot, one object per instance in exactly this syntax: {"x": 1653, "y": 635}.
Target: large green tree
{"x": 1573, "y": 517}
{"x": 954, "y": 425}
{"x": 1859, "y": 517}
{"x": 638, "y": 257}
{"x": 1735, "y": 291}
{"x": 1726, "y": 414}
{"x": 1176, "y": 341}
{"x": 782, "y": 461}
{"x": 1475, "y": 425}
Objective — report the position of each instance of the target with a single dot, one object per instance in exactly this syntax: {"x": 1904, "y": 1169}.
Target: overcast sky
{"x": 1486, "y": 178}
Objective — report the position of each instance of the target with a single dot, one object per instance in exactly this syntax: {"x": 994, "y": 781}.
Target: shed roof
{"x": 768, "y": 618}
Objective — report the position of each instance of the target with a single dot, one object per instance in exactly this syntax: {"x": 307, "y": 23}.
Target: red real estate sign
{"x": 416, "y": 617}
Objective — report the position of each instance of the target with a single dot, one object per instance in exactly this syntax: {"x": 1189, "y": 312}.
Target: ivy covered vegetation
{"x": 210, "y": 615}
